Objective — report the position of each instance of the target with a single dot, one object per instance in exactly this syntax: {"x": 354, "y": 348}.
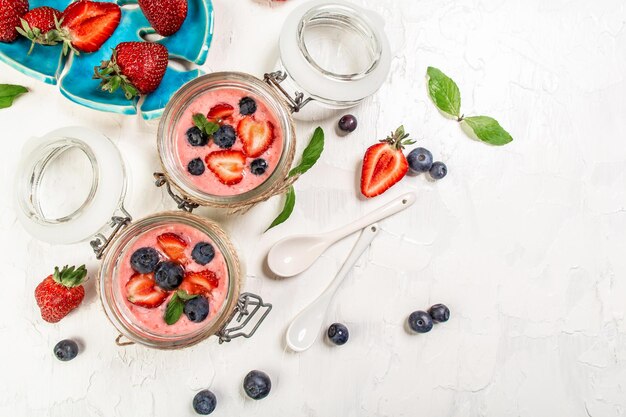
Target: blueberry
{"x": 204, "y": 402}
{"x": 247, "y": 105}
{"x": 347, "y": 123}
{"x": 66, "y": 350}
{"x": 420, "y": 322}
{"x": 258, "y": 166}
{"x": 439, "y": 313}
{"x": 224, "y": 137}
{"x": 196, "y": 167}
{"x": 196, "y": 137}
{"x": 203, "y": 253}
{"x": 420, "y": 160}
{"x": 169, "y": 275}
{"x": 197, "y": 309}
{"x": 338, "y": 334}
{"x": 144, "y": 260}
{"x": 257, "y": 385}
{"x": 438, "y": 170}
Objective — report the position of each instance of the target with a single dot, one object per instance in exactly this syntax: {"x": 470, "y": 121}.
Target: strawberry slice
{"x": 143, "y": 291}
{"x": 86, "y": 25}
{"x": 220, "y": 112}
{"x": 256, "y": 136}
{"x": 227, "y": 165}
{"x": 173, "y": 246}
{"x": 202, "y": 282}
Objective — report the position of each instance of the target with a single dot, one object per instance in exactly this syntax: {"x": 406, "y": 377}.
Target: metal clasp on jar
{"x": 297, "y": 102}
{"x": 183, "y": 203}
{"x": 100, "y": 242}
{"x": 247, "y": 308}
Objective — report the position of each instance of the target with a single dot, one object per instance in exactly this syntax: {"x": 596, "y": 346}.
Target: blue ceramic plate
{"x": 73, "y": 74}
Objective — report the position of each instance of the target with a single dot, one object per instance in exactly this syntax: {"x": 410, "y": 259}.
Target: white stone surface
{"x": 525, "y": 242}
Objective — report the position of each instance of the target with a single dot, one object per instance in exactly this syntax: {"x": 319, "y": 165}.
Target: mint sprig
{"x": 204, "y": 124}
{"x": 446, "y": 95}
{"x": 9, "y": 92}
{"x": 175, "y": 306}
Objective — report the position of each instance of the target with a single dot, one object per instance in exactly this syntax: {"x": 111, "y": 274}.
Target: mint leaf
{"x": 174, "y": 309}
{"x": 290, "y": 202}
{"x": 311, "y": 153}
{"x": 444, "y": 92}
{"x": 8, "y": 93}
{"x": 204, "y": 124}
{"x": 184, "y": 295}
{"x": 488, "y": 130}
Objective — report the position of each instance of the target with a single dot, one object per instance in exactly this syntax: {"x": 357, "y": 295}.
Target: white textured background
{"x": 525, "y": 243}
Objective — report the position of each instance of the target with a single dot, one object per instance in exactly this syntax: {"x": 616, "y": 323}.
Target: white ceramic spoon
{"x": 295, "y": 254}
{"x": 304, "y": 329}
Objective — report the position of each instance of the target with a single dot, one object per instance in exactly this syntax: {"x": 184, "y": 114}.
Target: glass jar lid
{"x": 69, "y": 184}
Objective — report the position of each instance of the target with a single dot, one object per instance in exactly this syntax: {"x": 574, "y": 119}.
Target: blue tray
{"x": 73, "y": 73}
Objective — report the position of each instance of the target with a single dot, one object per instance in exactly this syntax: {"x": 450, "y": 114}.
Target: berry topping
{"x": 60, "y": 293}
{"x": 202, "y": 282}
{"x": 66, "y": 350}
{"x": 257, "y": 385}
{"x": 195, "y": 167}
{"x": 196, "y": 137}
{"x": 439, "y": 313}
{"x": 256, "y": 136}
{"x": 338, "y": 334}
{"x": 224, "y": 137}
{"x": 165, "y": 16}
{"x": 438, "y": 170}
{"x": 142, "y": 291}
{"x": 173, "y": 246}
{"x": 347, "y": 123}
{"x": 247, "y": 106}
{"x": 258, "y": 166}
{"x": 197, "y": 309}
{"x": 204, "y": 402}
{"x": 203, "y": 253}
{"x": 144, "y": 260}
{"x": 420, "y": 322}
{"x": 420, "y": 160}
{"x": 220, "y": 112}
{"x": 169, "y": 275}
{"x": 227, "y": 165}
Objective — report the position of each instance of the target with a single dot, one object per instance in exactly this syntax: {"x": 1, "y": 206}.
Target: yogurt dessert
{"x": 229, "y": 141}
{"x": 172, "y": 280}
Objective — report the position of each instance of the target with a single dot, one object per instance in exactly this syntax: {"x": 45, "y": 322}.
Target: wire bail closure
{"x": 247, "y": 307}
{"x": 295, "y": 103}
{"x": 183, "y": 203}
{"x": 117, "y": 223}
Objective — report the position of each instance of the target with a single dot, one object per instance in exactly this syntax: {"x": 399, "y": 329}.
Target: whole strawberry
{"x": 135, "y": 67}
{"x": 165, "y": 16}
{"x": 36, "y": 24}
{"x": 10, "y": 13}
{"x": 60, "y": 293}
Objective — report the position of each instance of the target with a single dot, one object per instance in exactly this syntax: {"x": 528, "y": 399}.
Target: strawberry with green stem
{"x": 61, "y": 292}
{"x": 37, "y": 24}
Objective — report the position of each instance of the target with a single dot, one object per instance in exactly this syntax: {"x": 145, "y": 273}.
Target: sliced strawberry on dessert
{"x": 136, "y": 67}
{"x": 165, "y": 16}
{"x": 37, "y": 23}
{"x": 227, "y": 165}
{"x": 256, "y": 136}
{"x": 220, "y": 112}
{"x": 141, "y": 290}
{"x": 10, "y": 13}
{"x": 384, "y": 164}
{"x": 173, "y": 245}
{"x": 199, "y": 283}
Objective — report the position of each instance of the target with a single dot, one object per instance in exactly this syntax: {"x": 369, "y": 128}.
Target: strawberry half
{"x": 165, "y": 16}
{"x": 60, "y": 293}
{"x": 10, "y": 13}
{"x": 143, "y": 291}
{"x": 37, "y": 23}
{"x": 255, "y": 136}
{"x": 227, "y": 165}
{"x": 220, "y": 112}
{"x": 173, "y": 246}
{"x": 199, "y": 283}
{"x": 136, "y": 67}
{"x": 384, "y": 164}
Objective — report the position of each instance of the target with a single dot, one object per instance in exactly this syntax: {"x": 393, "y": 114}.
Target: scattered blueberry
{"x": 258, "y": 166}
{"x": 257, "y": 385}
{"x": 439, "y": 313}
{"x": 196, "y": 137}
{"x": 196, "y": 166}
{"x": 66, "y": 350}
{"x": 144, "y": 260}
{"x": 420, "y": 160}
{"x": 203, "y": 253}
{"x": 438, "y": 170}
{"x": 420, "y": 322}
{"x": 224, "y": 137}
{"x": 204, "y": 402}
{"x": 169, "y": 275}
{"x": 347, "y": 123}
{"x": 338, "y": 333}
{"x": 197, "y": 309}
{"x": 247, "y": 105}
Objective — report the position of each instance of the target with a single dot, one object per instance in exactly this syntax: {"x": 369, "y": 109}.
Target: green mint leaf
{"x": 199, "y": 120}
{"x": 290, "y": 202}
{"x": 184, "y": 295}
{"x": 8, "y": 93}
{"x": 210, "y": 128}
{"x": 444, "y": 92}
{"x": 174, "y": 309}
{"x": 311, "y": 153}
{"x": 488, "y": 130}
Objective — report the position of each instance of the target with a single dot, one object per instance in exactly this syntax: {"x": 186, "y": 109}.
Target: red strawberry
{"x": 136, "y": 67}
{"x": 60, "y": 293}
{"x": 165, "y": 16}
{"x": 384, "y": 164}
{"x": 37, "y": 23}
{"x": 227, "y": 165}
{"x": 10, "y": 13}
{"x": 143, "y": 291}
{"x": 173, "y": 246}
{"x": 202, "y": 282}
{"x": 256, "y": 136}
{"x": 219, "y": 112}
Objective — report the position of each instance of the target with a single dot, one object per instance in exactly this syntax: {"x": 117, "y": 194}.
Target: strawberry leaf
{"x": 8, "y": 93}
{"x": 444, "y": 92}
{"x": 311, "y": 153}
{"x": 488, "y": 130}
{"x": 290, "y": 202}
{"x": 174, "y": 309}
